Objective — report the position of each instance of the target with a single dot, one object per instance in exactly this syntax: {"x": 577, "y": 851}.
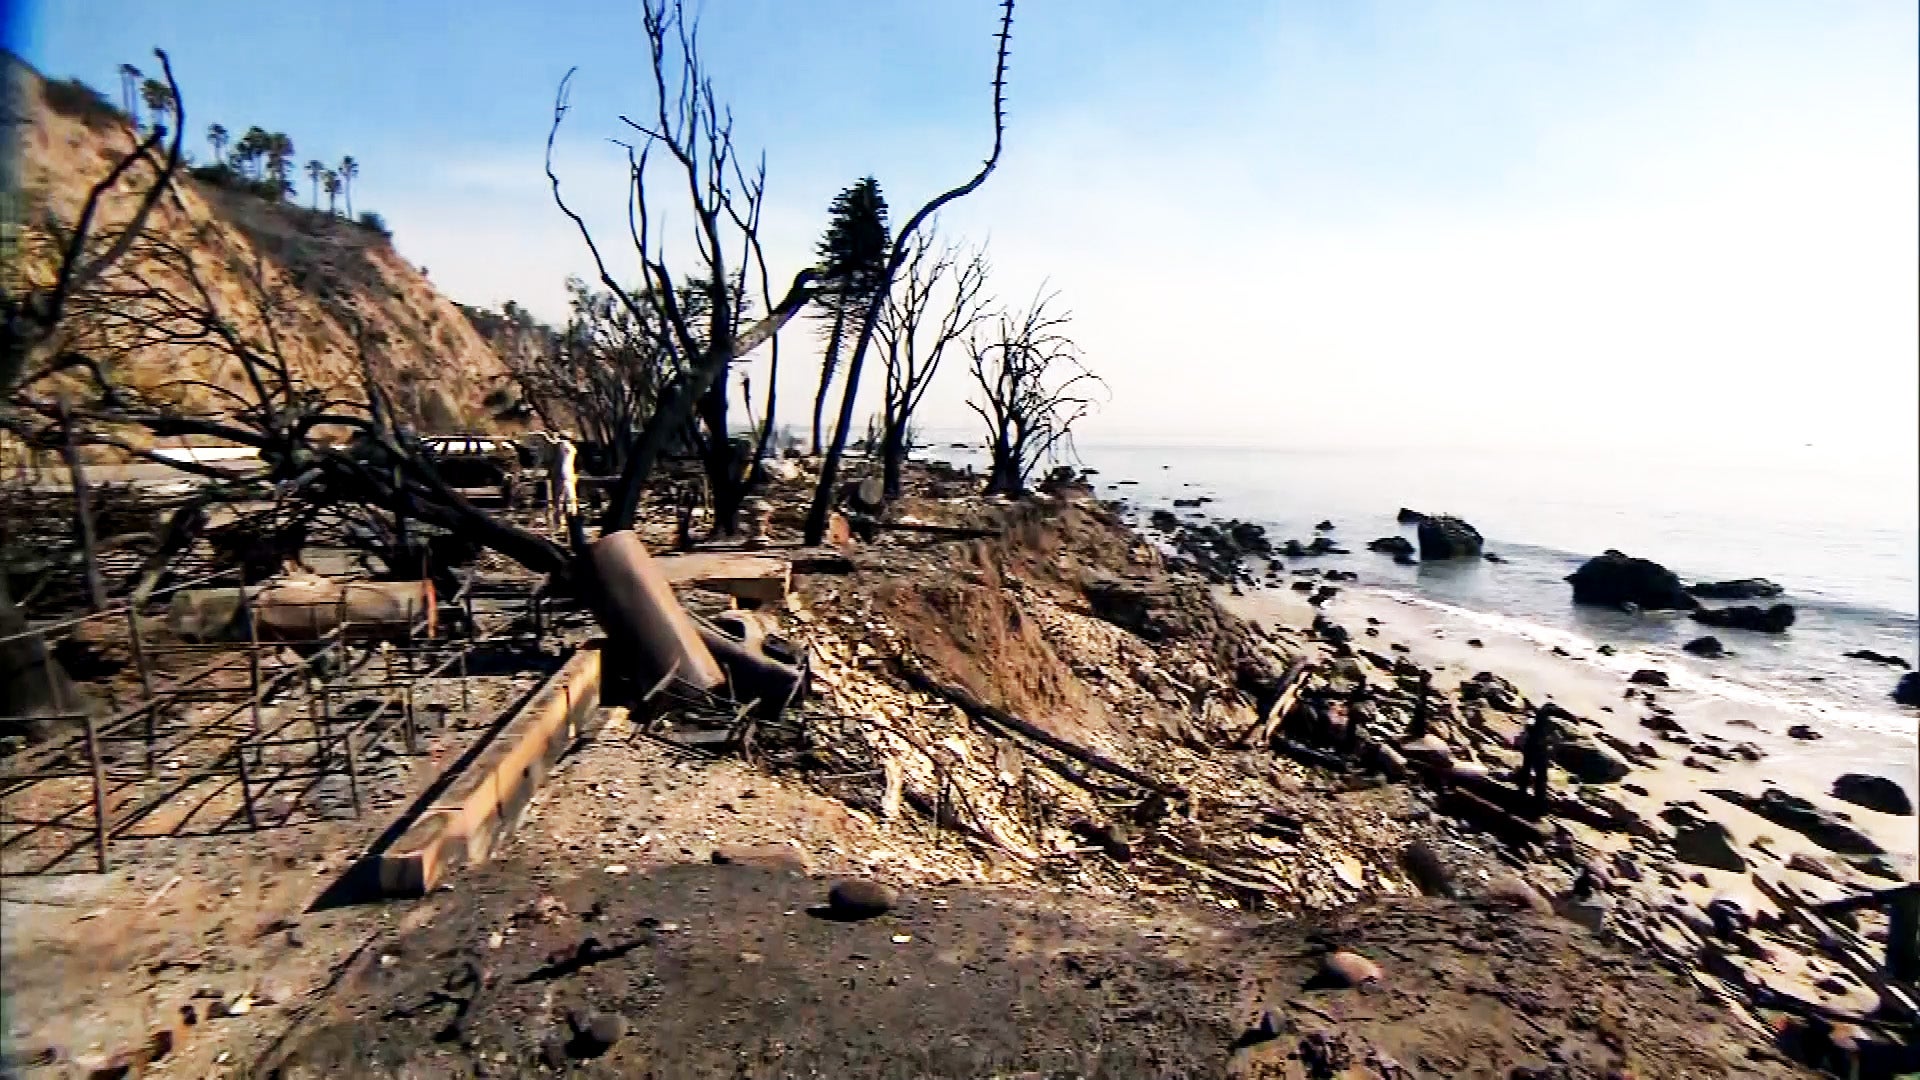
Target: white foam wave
{"x": 1765, "y": 693}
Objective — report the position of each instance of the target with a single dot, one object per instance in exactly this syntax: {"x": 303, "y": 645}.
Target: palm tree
{"x": 279, "y": 160}
{"x": 252, "y": 147}
{"x": 158, "y": 98}
{"x": 331, "y": 181}
{"x": 349, "y": 169}
{"x": 314, "y": 169}
{"x": 130, "y": 92}
{"x": 218, "y": 137}
{"x": 853, "y": 263}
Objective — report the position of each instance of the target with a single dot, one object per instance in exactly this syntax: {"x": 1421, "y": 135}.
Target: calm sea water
{"x": 1841, "y": 535}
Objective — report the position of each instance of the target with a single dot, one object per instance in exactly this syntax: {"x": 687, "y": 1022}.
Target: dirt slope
{"x": 724, "y": 971}
{"x": 437, "y": 369}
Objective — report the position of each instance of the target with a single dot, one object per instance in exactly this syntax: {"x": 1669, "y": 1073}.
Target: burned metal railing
{"x": 278, "y": 723}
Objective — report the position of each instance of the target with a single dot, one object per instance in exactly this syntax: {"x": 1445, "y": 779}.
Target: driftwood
{"x": 1291, "y": 684}
{"x": 997, "y": 718}
{"x": 1467, "y": 806}
{"x": 1856, "y": 957}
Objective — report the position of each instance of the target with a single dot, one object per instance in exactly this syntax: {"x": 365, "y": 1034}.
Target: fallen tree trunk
{"x": 1467, "y": 806}
{"x": 998, "y": 718}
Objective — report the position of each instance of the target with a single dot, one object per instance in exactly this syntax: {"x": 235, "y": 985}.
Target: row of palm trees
{"x": 262, "y": 155}
{"x": 263, "y": 159}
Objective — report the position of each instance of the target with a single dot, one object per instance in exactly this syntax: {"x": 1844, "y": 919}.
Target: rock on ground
{"x": 1874, "y": 793}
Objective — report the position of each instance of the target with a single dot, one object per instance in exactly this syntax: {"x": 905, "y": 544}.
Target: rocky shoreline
{"x": 1675, "y": 842}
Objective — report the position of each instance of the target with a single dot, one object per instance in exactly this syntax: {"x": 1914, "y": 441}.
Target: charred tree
{"x": 816, "y": 529}
{"x": 853, "y": 264}
{"x": 936, "y": 304}
{"x": 694, "y": 134}
{"x": 1031, "y": 389}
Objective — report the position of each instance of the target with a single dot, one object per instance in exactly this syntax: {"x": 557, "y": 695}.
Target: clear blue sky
{"x": 1275, "y": 221}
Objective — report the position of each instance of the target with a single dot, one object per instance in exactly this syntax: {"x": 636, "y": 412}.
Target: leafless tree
{"x": 1032, "y": 388}
{"x": 938, "y": 278}
{"x": 601, "y": 376}
{"x": 32, "y": 314}
{"x": 816, "y": 529}
{"x": 127, "y": 291}
{"x": 694, "y": 134}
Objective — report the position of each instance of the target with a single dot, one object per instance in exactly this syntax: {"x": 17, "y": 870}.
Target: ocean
{"x": 1841, "y": 535}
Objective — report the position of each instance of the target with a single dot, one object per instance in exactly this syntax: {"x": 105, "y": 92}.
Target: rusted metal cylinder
{"x": 307, "y": 608}
{"x": 642, "y": 615}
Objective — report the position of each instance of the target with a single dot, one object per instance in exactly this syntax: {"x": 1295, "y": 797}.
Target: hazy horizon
{"x": 1689, "y": 226}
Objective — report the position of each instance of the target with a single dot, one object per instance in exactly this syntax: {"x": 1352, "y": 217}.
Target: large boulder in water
{"x": 1742, "y": 589}
{"x": 1391, "y": 545}
{"x": 1769, "y": 620}
{"x": 1616, "y": 580}
{"x": 1448, "y": 538}
{"x": 1874, "y": 793}
{"x": 1410, "y": 517}
{"x": 1907, "y": 690}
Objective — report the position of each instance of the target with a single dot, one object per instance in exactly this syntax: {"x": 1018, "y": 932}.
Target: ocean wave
{"x": 1779, "y": 693}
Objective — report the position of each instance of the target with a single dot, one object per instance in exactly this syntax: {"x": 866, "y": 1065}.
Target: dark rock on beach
{"x": 1448, "y": 538}
{"x": 1877, "y": 658}
{"x": 1648, "y": 677}
{"x": 1874, "y": 793}
{"x": 1907, "y": 690}
{"x": 1391, "y": 545}
{"x": 1615, "y": 579}
{"x": 1589, "y": 762}
{"x": 1793, "y": 812}
{"x": 1708, "y": 647}
{"x": 1743, "y": 589}
{"x": 1410, "y": 517}
{"x": 1702, "y": 841}
{"x": 1769, "y": 620}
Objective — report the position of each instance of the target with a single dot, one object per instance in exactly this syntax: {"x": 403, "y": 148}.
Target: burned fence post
{"x": 82, "y": 510}
{"x": 353, "y": 774}
{"x": 246, "y": 785}
{"x": 99, "y": 790}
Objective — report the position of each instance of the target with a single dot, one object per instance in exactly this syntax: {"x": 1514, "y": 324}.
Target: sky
{"x": 1675, "y": 224}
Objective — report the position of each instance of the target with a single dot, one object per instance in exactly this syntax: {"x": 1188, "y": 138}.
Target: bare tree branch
{"x": 934, "y": 274}
{"x": 816, "y": 529}
{"x": 1033, "y": 387}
